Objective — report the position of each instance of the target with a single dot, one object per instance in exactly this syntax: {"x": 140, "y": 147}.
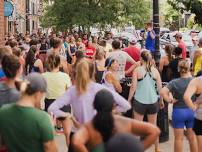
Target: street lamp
{"x": 157, "y": 30}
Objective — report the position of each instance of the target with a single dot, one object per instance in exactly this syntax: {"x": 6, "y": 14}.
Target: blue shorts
{"x": 182, "y": 117}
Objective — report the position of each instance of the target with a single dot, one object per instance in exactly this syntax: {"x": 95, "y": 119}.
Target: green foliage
{"x": 65, "y": 14}
{"x": 171, "y": 17}
{"x": 195, "y": 6}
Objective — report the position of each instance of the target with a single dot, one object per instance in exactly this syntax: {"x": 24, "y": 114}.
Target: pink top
{"x": 183, "y": 47}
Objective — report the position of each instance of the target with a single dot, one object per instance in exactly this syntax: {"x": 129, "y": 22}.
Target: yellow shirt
{"x": 197, "y": 67}
{"x": 57, "y": 84}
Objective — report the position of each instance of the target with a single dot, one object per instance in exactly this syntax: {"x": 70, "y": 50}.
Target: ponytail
{"x": 22, "y": 86}
{"x": 82, "y": 76}
{"x": 147, "y": 57}
{"x": 149, "y": 65}
{"x": 104, "y": 123}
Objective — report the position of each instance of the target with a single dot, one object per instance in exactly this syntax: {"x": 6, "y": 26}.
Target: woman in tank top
{"x": 164, "y": 67}
{"x": 99, "y": 65}
{"x": 109, "y": 78}
{"x": 71, "y": 50}
{"x": 143, "y": 93}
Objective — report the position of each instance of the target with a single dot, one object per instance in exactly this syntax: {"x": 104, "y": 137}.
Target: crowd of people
{"x": 73, "y": 84}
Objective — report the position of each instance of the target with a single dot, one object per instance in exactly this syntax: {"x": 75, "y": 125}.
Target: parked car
{"x": 168, "y": 38}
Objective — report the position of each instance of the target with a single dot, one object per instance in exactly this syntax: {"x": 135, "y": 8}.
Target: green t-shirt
{"x": 25, "y": 129}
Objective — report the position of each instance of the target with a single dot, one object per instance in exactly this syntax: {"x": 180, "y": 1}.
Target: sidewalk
{"x": 165, "y": 147}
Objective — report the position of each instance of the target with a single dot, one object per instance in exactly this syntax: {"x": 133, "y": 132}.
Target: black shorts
{"x": 148, "y": 109}
{"x": 48, "y": 102}
{"x": 197, "y": 127}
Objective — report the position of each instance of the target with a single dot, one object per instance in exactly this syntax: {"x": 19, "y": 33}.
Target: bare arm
{"x": 158, "y": 81}
{"x": 133, "y": 86}
{"x": 191, "y": 90}
{"x": 132, "y": 68}
{"x": 50, "y": 146}
{"x": 151, "y": 132}
{"x": 41, "y": 67}
{"x": 80, "y": 139}
{"x": 112, "y": 79}
{"x": 165, "y": 93}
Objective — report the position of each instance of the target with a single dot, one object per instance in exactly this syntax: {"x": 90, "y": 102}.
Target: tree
{"x": 171, "y": 17}
{"x": 65, "y": 14}
{"x": 195, "y": 6}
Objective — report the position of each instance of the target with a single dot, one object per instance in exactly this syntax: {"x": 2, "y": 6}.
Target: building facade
{"x": 25, "y": 16}
{"x": 33, "y": 13}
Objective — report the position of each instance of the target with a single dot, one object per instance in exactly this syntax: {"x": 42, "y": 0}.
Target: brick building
{"x": 1, "y": 21}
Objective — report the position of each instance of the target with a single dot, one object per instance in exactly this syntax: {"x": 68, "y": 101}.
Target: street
{"x": 165, "y": 147}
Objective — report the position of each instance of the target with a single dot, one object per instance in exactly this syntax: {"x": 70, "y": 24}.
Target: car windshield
{"x": 186, "y": 38}
{"x": 172, "y": 38}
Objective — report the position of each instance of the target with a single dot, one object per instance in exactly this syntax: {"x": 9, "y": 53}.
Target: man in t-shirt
{"x": 28, "y": 128}
{"x": 134, "y": 52}
{"x": 150, "y": 39}
{"x": 181, "y": 44}
{"x": 122, "y": 57}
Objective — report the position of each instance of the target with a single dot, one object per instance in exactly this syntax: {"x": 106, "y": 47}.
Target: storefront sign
{"x": 8, "y": 8}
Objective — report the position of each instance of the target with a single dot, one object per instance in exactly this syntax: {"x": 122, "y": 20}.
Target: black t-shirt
{"x": 174, "y": 68}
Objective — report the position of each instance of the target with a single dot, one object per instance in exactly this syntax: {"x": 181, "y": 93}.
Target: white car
{"x": 168, "y": 38}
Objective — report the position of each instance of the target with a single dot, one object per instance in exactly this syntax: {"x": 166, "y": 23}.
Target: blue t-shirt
{"x": 150, "y": 43}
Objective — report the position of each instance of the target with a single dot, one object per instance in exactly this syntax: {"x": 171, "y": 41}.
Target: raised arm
{"x": 149, "y": 131}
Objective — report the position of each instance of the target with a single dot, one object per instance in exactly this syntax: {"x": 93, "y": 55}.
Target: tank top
{"x": 72, "y": 49}
{"x": 105, "y": 83}
{"x": 198, "y": 114}
{"x": 98, "y": 74}
{"x": 197, "y": 67}
{"x": 166, "y": 73}
{"x": 146, "y": 92}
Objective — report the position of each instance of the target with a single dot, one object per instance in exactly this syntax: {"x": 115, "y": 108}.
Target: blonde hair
{"x": 82, "y": 76}
{"x": 147, "y": 58}
{"x": 184, "y": 66}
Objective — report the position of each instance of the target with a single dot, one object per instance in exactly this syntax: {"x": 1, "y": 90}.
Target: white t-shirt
{"x": 122, "y": 57}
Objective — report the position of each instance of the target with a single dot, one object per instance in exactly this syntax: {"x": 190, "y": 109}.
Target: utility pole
{"x": 157, "y": 30}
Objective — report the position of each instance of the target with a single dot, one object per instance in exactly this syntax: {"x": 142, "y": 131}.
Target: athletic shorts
{"x": 148, "y": 109}
{"x": 197, "y": 127}
{"x": 182, "y": 117}
{"x": 48, "y": 102}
